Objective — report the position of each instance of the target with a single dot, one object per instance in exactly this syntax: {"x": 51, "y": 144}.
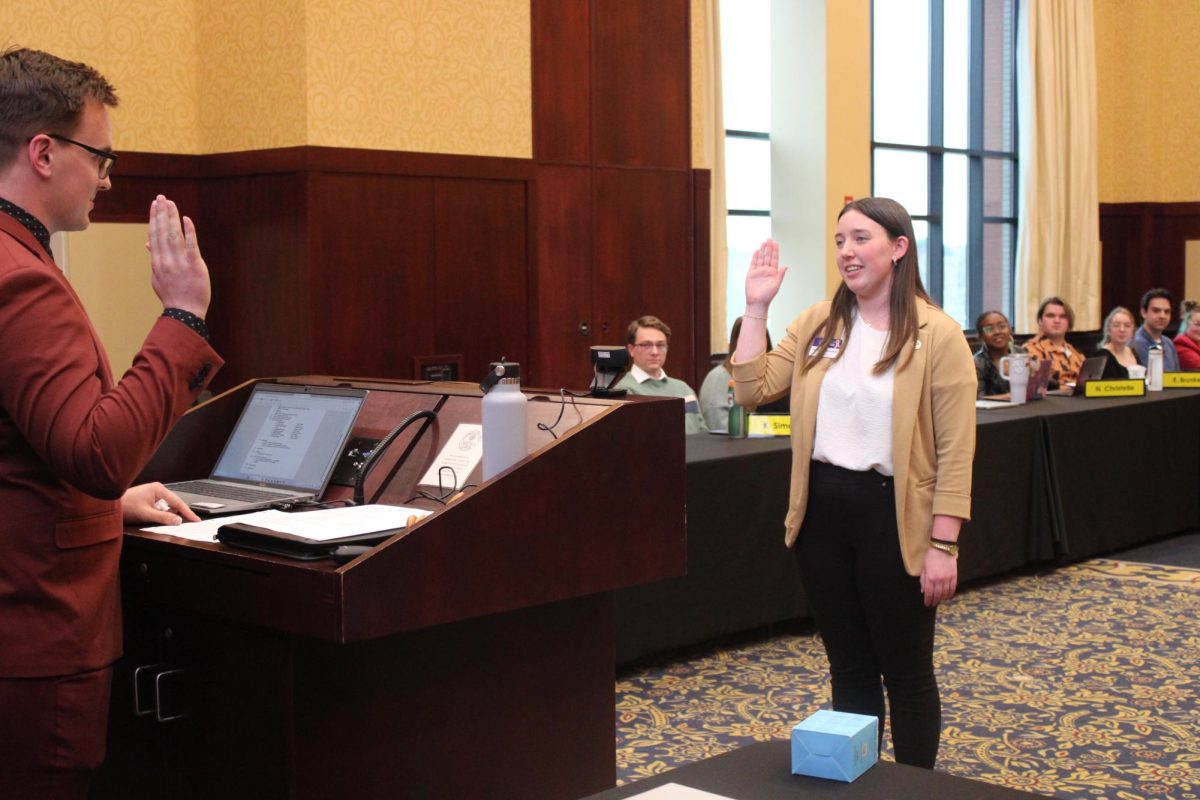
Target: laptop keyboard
{"x": 226, "y": 492}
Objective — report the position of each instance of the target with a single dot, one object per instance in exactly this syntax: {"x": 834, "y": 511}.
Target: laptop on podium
{"x": 282, "y": 450}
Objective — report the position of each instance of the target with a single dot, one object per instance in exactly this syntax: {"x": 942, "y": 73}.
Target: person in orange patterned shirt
{"x": 1054, "y": 319}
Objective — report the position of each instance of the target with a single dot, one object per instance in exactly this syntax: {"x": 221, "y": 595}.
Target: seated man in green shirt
{"x": 646, "y": 341}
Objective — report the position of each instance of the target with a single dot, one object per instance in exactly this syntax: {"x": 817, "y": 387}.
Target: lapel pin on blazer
{"x": 917, "y": 344}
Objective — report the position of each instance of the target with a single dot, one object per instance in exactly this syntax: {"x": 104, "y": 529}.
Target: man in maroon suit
{"x": 72, "y": 440}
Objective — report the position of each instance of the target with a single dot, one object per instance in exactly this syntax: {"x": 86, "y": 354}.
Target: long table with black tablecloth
{"x": 762, "y": 771}
{"x": 1062, "y": 478}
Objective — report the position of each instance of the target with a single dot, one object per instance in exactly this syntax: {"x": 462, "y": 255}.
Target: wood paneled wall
{"x": 617, "y": 200}
{"x": 350, "y": 262}
{"x": 1143, "y": 248}
{"x": 353, "y": 262}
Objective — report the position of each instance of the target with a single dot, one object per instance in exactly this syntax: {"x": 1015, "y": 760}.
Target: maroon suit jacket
{"x": 71, "y": 442}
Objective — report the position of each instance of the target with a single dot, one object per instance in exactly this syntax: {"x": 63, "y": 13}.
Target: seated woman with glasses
{"x": 1187, "y": 341}
{"x": 995, "y": 342}
{"x": 646, "y": 339}
{"x": 1119, "y": 327}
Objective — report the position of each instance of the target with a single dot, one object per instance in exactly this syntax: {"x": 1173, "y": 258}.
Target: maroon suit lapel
{"x": 24, "y": 237}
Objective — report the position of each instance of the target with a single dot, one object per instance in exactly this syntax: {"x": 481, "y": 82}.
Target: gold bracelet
{"x": 946, "y": 547}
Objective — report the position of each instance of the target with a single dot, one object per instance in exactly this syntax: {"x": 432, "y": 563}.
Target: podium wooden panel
{"x": 471, "y": 656}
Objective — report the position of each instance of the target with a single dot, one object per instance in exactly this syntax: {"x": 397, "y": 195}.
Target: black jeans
{"x": 870, "y": 613}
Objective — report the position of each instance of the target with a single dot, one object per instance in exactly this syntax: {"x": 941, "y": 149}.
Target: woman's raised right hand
{"x": 764, "y": 276}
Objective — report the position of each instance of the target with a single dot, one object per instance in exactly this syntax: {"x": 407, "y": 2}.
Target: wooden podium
{"x": 471, "y": 656}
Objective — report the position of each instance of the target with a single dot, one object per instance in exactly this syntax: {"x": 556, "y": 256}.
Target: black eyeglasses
{"x": 107, "y": 159}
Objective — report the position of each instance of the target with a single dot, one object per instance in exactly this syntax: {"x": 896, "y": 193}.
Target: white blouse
{"x": 854, "y": 414}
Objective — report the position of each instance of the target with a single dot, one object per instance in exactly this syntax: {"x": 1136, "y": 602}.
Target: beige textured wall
{"x": 421, "y": 75}
{"x": 446, "y": 76}
{"x": 146, "y": 48}
{"x": 700, "y": 126}
{"x": 848, "y": 113}
{"x": 253, "y": 88}
{"x": 1147, "y": 82}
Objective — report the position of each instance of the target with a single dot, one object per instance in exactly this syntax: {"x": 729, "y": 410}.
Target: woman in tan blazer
{"x": 882, "y": 388}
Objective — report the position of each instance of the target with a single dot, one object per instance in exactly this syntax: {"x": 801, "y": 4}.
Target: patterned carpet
{"x": 1077, "y": 682}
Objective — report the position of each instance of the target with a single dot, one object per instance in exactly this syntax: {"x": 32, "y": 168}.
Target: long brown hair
{"x": 906, "y": 287}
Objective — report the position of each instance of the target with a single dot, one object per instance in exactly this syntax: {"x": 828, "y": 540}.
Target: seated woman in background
{"x": 1119, "y": 326}
{"x": 714, "y": 392}
{"x": 995, "y": 342}
{"x": 1187, "y": 342}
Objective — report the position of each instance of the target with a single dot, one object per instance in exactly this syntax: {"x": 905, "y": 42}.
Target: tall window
{"x": 746, "y": 86}
{"x": 944, "y": 141}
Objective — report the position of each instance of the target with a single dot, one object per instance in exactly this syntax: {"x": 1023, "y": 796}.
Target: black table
{"x": 1062, "y": 478}
{"x": 740, "y": 575}
{"x": 1122, "y": 471}
{"x": 763, "y": 772}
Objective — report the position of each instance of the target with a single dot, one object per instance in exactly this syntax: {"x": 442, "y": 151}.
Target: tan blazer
{"x": 933, "y": 420}
{"x": 71, "y": 442}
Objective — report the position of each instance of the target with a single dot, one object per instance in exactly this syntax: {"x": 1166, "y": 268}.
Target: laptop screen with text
{"x": 288, "y": 437}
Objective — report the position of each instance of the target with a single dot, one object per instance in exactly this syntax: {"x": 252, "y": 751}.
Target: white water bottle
{"x": 1154, "y": 368}
{"x": 504, "y": 425}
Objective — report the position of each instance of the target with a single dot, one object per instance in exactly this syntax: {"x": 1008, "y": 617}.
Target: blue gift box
{"x": 835, "y": 745}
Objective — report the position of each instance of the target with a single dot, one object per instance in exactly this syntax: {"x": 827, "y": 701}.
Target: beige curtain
{"x": 713, "y": 123}
{"x": 1058, "y": 237}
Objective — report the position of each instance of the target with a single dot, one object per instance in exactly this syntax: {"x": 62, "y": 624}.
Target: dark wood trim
{"x": 639, "y": 168}
{"x": 702, "y": 266}
{"x": 1158, "y": 209}
{"x": 139, "y": 176}
{"x": 156, "y": 165}
{"x": 379, "y": 162}
{"x": 562, "y": 162}
{"x": 320, "y": 159}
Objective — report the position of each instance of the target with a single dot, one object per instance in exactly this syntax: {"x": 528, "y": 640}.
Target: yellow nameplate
{"x": 1181, "y": 380}
{"x": 770, "y": 425}
{"x": 1134, "y": 387}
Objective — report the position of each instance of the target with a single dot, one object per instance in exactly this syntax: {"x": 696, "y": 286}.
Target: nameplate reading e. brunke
{"x": 1181, "y": 380}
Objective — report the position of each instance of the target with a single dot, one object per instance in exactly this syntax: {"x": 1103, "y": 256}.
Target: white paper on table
{"x": 206, "y": 529}
{"x": 994, "y": 403}
{"x": 675, "y": 791}
{"x": 462, "y": 453}
{"x": 337, "y": 523}
{"x": 323, "y": 525}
